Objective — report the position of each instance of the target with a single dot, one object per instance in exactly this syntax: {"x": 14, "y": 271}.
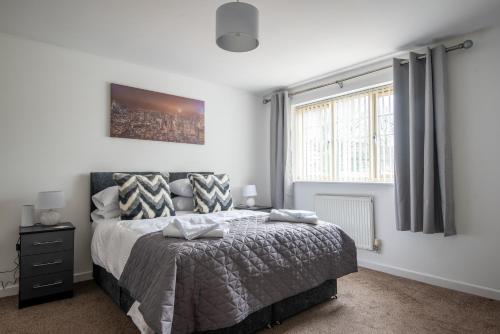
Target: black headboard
{"x": 102, "y": 180}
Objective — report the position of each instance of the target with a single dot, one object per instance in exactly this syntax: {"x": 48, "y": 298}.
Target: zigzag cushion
{"x": 144, "y": 196}
{"x": 211, "y": 193}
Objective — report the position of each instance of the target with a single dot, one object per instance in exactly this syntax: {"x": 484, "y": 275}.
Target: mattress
{"x": 135, "y": 251}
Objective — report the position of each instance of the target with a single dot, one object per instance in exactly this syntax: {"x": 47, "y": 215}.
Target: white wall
{"x": 469, "y": 261}
{"x": 54, "y": 121}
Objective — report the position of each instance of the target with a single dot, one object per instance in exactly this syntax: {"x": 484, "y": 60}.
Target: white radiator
{"x": 354, "y": 214}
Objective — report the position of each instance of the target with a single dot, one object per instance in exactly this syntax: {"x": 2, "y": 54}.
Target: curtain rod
{"x": 467, "y": 44}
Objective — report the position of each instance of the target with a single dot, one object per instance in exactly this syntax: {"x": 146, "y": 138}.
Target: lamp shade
{"x": 237, "y": 27}
{"x": 249, "y": 191}
{"x": 47, "y": 200}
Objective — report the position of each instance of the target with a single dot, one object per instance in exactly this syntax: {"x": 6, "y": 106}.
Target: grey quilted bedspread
{"x": 186, "y": 286}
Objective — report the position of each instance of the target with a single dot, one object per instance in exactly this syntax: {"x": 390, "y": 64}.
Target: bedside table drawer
{"x": 34, "y": 265}
{"x": 39, "y": 243}
{"x": 39, "y": 286}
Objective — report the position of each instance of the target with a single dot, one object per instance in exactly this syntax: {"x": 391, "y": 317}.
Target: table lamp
{"x": 249, "y": 192}
{"x": 49, "y": 201}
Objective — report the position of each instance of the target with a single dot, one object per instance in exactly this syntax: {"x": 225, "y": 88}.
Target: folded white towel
{"x": 294, "y": 216}
{"x": 172, "y": 231}
{"x": 189, "y": 227}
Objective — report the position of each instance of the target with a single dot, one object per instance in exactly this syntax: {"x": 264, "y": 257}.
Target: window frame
{"x": 373, "y": 138}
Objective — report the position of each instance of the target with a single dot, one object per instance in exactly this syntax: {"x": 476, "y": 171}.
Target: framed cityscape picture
{"x": 143, "y": 114}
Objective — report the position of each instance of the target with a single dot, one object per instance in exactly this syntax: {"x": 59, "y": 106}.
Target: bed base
{"x": 273, "y": 314}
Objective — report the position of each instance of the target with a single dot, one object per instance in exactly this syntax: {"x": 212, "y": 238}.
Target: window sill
{"x": 349, "y": 182}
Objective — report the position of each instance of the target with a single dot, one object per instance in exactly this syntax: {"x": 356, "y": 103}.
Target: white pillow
{"x": 181, "y": 187}
{"x": 183, "y": 203}
{"x": 107, "y": 199}
{"x": 182, "y": 213}
{"x": 98, "y": 215}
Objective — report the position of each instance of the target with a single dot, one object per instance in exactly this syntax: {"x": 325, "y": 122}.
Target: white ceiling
{"x": 298, "y": 39}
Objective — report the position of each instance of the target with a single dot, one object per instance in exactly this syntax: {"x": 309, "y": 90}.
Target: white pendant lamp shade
{"x": 237, "y": 27}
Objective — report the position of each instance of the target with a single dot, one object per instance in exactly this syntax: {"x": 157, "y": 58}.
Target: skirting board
{"x": 473, "y": 289}
{"x": 14, "y": 289}
{"x": 396, "y": 271}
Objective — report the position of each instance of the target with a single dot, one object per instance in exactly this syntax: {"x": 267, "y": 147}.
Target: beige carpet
{"x": 369, "y": 302}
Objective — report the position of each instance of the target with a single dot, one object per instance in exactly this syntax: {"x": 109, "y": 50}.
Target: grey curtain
{"x": 423, "y": 162}
{"x": 281, "y": 183}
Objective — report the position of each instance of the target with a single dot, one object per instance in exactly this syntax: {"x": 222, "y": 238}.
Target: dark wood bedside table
{"x": 263, "y": 208}
{"x": 45, "y": 263}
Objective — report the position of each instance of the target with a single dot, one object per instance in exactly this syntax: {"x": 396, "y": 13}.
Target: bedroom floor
{"x": 369, "y": 302}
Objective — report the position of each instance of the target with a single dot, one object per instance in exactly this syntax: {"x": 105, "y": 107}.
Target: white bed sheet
{"x": 113, "y": 240}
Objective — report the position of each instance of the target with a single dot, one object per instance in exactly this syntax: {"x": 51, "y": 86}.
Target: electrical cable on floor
{"x": 15, "y": 273}
{"x": 15, "y": 276}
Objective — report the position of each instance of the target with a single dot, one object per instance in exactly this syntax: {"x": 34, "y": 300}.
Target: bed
{"x": 268, "y": 307}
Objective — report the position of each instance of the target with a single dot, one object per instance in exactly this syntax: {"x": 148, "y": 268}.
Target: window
{"x": 348, "y": 138}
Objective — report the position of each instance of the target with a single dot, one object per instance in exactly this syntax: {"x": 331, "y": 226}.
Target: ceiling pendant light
{"x": 237, "y": 27}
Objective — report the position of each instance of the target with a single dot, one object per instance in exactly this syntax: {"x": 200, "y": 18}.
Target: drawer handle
{"x": 41, "y": 243}
{"x": 47, "y": 263}
{"x": 38, "y": 286}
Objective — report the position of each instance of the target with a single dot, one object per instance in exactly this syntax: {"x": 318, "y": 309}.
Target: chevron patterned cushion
{"x": 144, "y": 196}
{"x": 211, "y": 193}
